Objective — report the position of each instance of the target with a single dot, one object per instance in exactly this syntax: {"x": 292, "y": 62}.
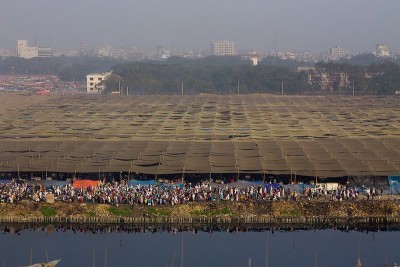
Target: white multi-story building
{"x": 106, "y": 51}
{"x": 254, "y": 57}
{"x": 25, "y": 51}
{"x": 223, "y": 48}
{"x": 94, "y": 83}
{"x": 164, "y": 54}
{"x": 288, "y": 55}
{"x": 337, "y": 53}
{"x": 382, "y": 50}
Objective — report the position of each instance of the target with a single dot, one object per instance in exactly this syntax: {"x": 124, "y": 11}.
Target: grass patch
{"x": 92, "y": 213}
{"x": 158, "y": 211}
{"x": 48, "y": 211}
{"x": 213, "y": 212}
{"x": 225, "y": 211}
{"x": 294, "y": 212}
{"x": 119, "y": 211}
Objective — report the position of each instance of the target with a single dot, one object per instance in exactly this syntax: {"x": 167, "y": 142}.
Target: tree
{"x": 113, "y": 83}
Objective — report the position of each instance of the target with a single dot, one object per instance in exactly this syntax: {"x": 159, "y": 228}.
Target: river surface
{"x": 217, "y": 248}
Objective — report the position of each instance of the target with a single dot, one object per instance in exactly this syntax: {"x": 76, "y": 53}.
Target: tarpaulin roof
{"x": 303, "y": 135}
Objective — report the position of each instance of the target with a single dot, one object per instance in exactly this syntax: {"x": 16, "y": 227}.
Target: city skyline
{"x": 255, "y": 25}
{"x": 218, "y": 48}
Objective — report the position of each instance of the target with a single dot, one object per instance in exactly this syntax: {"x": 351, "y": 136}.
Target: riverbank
{"x": 205, "y": 212}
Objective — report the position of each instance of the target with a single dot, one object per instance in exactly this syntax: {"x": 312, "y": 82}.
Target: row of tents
{"x": 325, "y": 157}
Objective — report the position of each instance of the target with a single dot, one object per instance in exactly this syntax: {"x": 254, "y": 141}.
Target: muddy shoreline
{"x": 378, "y": 215}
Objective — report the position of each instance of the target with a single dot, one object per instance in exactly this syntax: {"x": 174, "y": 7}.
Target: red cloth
{"x": 84, "y": 183}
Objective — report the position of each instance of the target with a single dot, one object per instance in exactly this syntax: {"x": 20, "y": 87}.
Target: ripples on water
{"x": 202, "y": 246}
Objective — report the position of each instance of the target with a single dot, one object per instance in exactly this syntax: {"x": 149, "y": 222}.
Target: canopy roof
{"x": 315, "y": 136}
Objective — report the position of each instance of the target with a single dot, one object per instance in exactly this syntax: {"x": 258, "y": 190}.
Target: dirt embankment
{"x": 215, "y": 209}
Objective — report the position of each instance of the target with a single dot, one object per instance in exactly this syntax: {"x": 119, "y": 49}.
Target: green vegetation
{"x": 67, "y": 68}
{"x": 204, "y": 77}
{"x": 211, "y": 212}
{"x": 217, "y": 77}
{"x": 293, "y": 211}
{"x": 374, "y": 79}
{"x": 221, "y": 75}
{"x": 153, "y": 211}
{"x": 48, "y": 211}
{"x": 119, "y": 211}
{"x": 91, "y": 213}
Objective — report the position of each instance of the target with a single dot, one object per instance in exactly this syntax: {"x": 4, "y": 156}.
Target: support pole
{"x": 182, "y": 87}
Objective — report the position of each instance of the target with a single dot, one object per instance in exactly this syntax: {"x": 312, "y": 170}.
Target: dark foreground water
{"x": 296, "y": 248}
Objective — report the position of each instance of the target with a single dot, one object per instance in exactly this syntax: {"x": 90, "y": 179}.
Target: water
{"x": 296, "y": 248}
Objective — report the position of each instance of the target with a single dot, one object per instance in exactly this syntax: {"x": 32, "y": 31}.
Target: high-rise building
{"x": 382, "y": 50}
{"x": 25, "y": 51}
{"x": 223, "y": 48}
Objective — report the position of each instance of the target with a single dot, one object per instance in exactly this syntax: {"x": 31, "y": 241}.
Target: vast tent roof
{"x": 303, "y": 135}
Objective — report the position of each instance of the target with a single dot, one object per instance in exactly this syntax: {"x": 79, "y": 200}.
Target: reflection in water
{"x": 120, "y": 245}
{"x": 17, "y": 228}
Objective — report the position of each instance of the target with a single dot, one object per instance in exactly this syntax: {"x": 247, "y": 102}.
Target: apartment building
{"x": 94, "y": 82}
{"x": 25, "y": 51}
{"x": 223, "y": 48}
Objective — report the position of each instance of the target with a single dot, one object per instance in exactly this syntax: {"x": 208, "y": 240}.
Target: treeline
{"x": 366, "y": 73}
{"x": 217, "y": 75}
{"x": 367, "y": 59}
{"x": 375, "y": 79}
{"x": 67, "y": 68}
{"x": 230, "y": 75}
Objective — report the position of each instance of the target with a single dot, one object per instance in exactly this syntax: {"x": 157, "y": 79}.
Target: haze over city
{"x": 261, "y": 25}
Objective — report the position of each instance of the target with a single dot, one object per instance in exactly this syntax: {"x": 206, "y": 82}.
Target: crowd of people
{"x": 164, "y": 194}
{"x": 342, "y": 193}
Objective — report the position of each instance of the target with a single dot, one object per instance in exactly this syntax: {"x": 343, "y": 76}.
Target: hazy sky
{"x": 314, "y": 25}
